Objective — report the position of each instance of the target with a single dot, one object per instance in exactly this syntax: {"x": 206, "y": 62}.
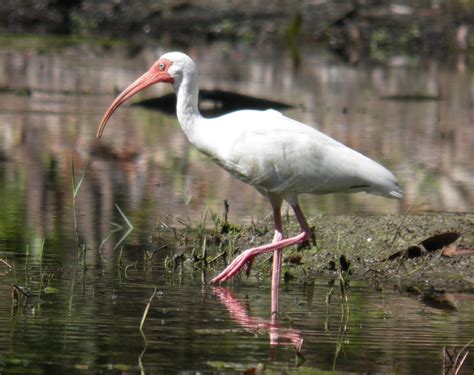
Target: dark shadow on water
{"x": 214, "y": 103}
{"x": 440, "y": 300}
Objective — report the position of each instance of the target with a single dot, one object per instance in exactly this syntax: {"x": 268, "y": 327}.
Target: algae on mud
{"x": 366, "y": 241}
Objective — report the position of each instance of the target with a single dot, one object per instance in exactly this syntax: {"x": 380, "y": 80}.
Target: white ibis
{"x": 280, "y": 157}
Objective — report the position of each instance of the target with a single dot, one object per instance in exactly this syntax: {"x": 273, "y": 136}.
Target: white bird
{"x": 280, "y": 157}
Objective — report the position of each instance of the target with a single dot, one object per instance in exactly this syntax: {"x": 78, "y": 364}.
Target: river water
{"x": 413, "y": 116}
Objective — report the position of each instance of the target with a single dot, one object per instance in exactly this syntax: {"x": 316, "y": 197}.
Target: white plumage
{"x": 277, "y": 154}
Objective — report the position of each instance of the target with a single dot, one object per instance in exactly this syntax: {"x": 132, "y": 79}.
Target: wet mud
{"x": 361, "y": 248}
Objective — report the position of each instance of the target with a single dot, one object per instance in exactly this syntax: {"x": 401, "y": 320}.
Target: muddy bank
{"x": 364, "y": 242}
{"x": 367, "y": 242}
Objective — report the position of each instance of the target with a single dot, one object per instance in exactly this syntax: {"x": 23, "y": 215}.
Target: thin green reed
{"x": 76, "y": 185}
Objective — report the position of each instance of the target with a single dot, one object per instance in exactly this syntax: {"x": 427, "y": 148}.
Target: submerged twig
{"x": 145, "y": 313}
{"x": 454, "y": 359}
{"x": 6, "y": 263}
{"x": 458, "y": 362}
{"x": 142, "y": 322}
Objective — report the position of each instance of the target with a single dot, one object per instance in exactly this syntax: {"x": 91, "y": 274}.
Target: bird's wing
{"x": 281, "y": 155}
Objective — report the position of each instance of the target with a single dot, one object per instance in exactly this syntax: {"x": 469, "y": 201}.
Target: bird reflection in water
{"x": 279, "y": 336}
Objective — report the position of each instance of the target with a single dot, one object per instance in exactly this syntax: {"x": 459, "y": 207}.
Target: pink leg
{"x": 276, "y": 279}
{"x": 277, "y": 255}
{"x": 236, "y": 265}
{"x": 249, "y": 254}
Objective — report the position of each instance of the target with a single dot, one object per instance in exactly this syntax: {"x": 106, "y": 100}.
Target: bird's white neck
{"x": 187, "y": 92}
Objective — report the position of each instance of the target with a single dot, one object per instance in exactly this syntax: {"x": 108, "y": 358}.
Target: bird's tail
{"x": 397, "y": 194}
{"x": 383, "y": 182}
{"x": 388, "y": 187}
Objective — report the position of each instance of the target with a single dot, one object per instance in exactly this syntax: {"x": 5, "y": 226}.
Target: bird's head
{"x": 169, "y": 68}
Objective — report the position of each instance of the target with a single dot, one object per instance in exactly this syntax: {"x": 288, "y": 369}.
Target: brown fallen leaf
{"x": 450, "y": 252}
{"x": 440, "y": 241}
{"x": 446, "y": 242}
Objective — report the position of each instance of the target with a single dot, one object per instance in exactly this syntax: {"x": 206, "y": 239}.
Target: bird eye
{"x": 161, "y": 66}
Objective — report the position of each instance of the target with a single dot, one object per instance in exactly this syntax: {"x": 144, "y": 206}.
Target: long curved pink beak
{"x": 149, "y": 78}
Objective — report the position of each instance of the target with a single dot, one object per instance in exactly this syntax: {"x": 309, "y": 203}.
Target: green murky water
{"x": 88, "y": 319}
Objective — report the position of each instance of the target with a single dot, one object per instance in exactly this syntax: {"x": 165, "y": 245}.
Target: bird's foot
{"x": 310, "y": 240}
{"x": 236, "y": 265}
